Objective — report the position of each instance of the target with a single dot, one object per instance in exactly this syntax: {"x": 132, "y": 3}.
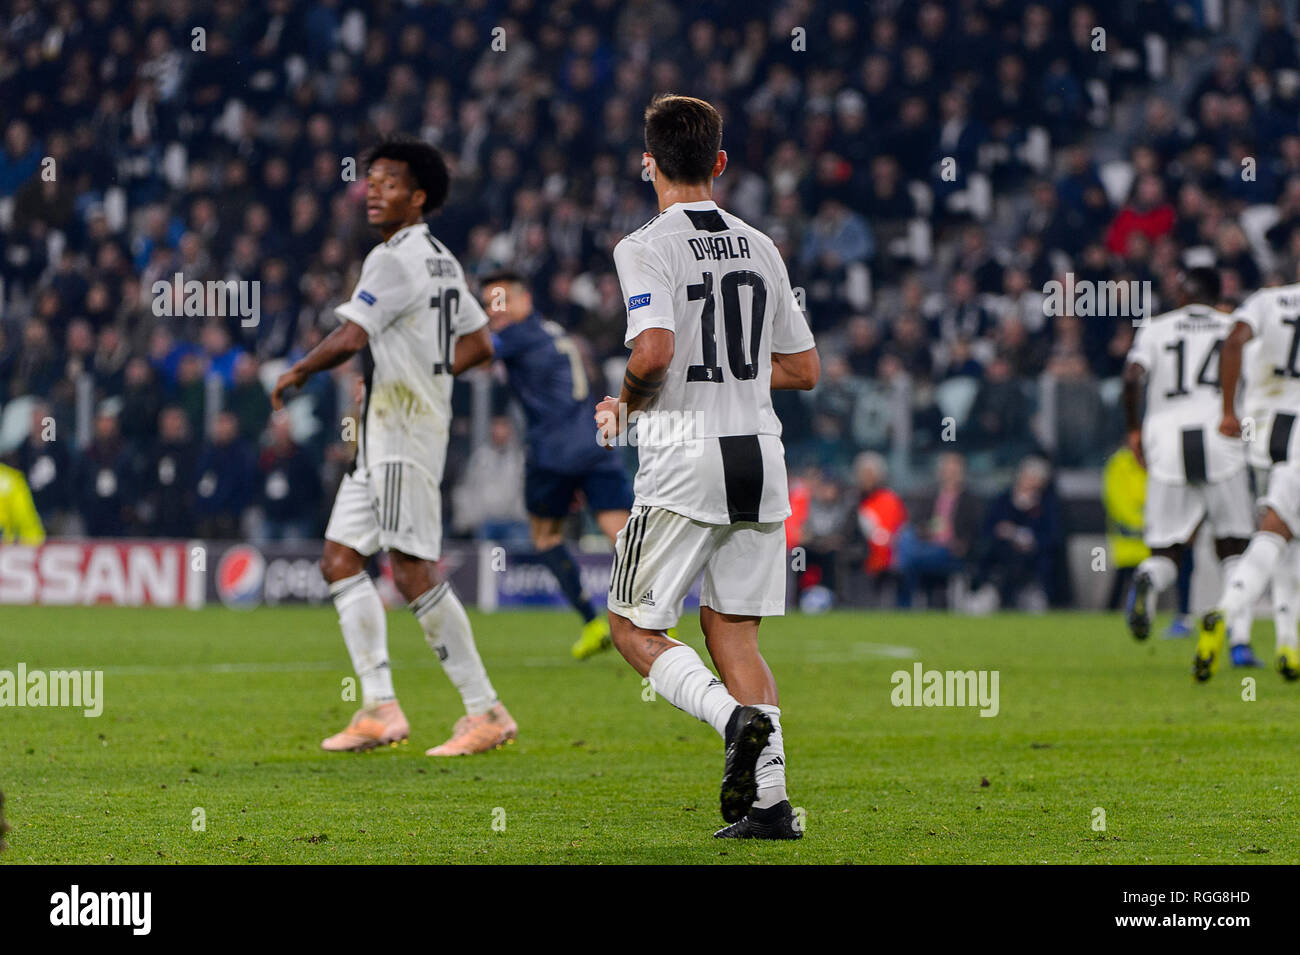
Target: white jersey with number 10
{"x": 713, "y": 450}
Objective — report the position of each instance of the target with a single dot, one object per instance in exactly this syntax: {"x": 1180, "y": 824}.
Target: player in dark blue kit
{"x": 546, "y": 373}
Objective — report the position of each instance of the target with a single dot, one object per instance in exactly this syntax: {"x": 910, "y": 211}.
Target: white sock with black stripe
{"x": 681, "y": 678}
{"x": 770, "y": 774}
{"x": 447, "y": 631}
{"x": 365, "y": 631}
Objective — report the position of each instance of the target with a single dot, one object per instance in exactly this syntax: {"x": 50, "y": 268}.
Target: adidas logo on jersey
{"x": 648, "y": 598}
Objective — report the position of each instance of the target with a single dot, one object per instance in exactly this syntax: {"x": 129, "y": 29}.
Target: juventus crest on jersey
{"x": 1180, "y": 431}
{"x": 720, "y": 286}
{"x": 1271, "y": 368}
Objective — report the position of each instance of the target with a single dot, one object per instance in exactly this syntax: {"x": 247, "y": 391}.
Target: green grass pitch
{"x": 223, "y": 711}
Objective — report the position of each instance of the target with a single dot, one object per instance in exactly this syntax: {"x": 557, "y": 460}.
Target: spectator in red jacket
{"x": 880, "y": 511}
{"x": 800, "y": 495}
{"x": 1148, "y": 212}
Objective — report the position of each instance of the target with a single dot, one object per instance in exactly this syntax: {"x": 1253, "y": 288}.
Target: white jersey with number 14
{"x": 1180, "y": 431}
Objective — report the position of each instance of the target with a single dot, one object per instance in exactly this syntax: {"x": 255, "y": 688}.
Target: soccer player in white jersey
{"x": 1261, "y": 390}
{"x": 1194, "y": 474}
{"x": 416, "y": 325}
{"x": 713, "y": 326}
{"x": 1272, "y": 315}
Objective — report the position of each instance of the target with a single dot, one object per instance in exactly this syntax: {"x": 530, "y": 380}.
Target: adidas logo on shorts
{"x": 648, "y": 598}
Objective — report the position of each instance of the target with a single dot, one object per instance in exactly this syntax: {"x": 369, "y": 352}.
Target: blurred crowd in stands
{"x": 926, "y": 168}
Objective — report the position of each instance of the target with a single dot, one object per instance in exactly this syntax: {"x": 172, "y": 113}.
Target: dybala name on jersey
{"x": 719, "y": 247}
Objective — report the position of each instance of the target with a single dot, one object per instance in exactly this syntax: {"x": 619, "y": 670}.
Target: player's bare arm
{"x": 472, "y": 350}
{"x": 798, "y": 371}
{"x": 652, "y": 353}
{"x": 1134, "y": 378}
{"x": 1230, "y": 375}
{"x": 647, "y": 368}
{"x": 336, "y": 348}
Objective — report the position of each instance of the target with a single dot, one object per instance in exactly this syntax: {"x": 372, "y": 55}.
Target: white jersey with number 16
{"x": 413, "y": 302}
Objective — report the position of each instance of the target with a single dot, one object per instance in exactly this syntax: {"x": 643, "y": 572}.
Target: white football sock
{"x": 1251, "y": 573}
{"x": 1163, "y": 572}
{"x": 447, "y": 631}
{"x": 770, "y": 775}
{"x": 679, "y": 676}
{"x": 1240, "y": 623}
{"x": 365, "y": 631}
{"x": 1286, "y": 599}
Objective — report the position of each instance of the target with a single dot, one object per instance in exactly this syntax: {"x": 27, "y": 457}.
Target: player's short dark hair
{"x": 1202, "y": 284}
{"x": 683, "y": 134}
{"x": 427, "y": 167}
{"x": 503, "y": 277}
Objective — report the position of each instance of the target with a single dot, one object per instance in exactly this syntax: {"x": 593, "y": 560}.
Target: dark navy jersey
{"x": 546, "y": 373}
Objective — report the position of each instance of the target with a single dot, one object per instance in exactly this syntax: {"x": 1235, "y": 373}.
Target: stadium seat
{"x": 1255, "y": 222}
{"x": 956, "y": 396}
{"x": 15, "y": 422}
{"x": 1116, "y": 178}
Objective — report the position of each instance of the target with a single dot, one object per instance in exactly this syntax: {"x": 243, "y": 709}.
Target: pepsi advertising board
{"x": 243, "y": 575}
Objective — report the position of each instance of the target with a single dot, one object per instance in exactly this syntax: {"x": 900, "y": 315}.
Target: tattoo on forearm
{"x": 642, "y": 387}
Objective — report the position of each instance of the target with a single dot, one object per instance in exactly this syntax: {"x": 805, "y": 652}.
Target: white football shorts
{"x": 1174, "y": 511}
{"x": 659, "y": 553}
{"x": 393, "y": 505}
